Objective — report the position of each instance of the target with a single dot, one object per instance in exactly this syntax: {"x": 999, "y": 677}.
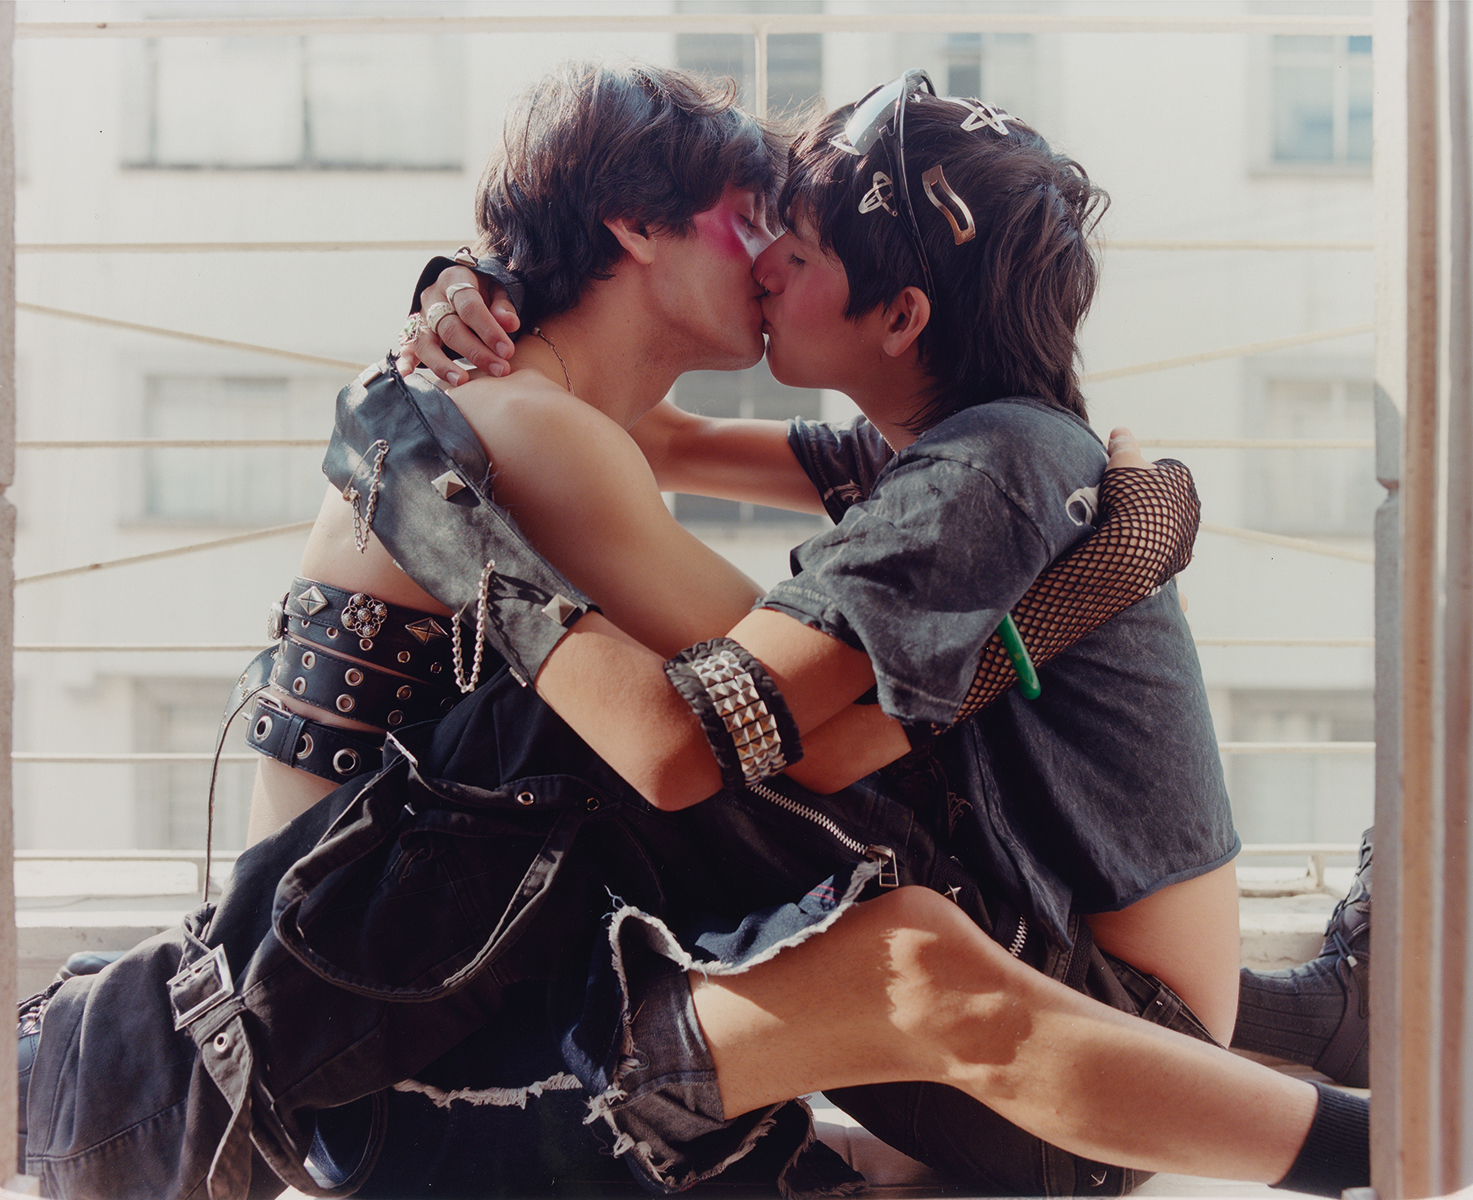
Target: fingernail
{"x": 454, "y": 378}
{"x": 498, "y": 370}
{"x": 504, "y": 349}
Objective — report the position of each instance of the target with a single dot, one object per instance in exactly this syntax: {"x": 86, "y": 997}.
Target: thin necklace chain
{"x": 537, "y": 333}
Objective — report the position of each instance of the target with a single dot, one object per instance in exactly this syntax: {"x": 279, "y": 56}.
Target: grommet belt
{"x": 323, "y": 750}
{"x": 356, "y": 690}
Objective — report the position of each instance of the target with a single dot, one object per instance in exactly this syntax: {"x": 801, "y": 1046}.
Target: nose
{"x": 766, "y": 269}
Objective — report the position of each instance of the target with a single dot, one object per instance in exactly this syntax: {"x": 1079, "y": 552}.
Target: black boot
{"x": 1319, "y": 1013}
{"x": 87, "y": 962}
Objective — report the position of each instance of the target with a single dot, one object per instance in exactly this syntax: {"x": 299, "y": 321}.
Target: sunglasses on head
{"x": 883, "y": 111}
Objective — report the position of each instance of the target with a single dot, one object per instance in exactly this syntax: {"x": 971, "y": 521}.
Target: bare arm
{"x": 725, "y": 457}
{"x": 615, "y": 693}
{"x": 820, "y": 677}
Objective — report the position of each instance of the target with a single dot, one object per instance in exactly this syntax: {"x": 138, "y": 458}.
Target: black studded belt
{"x": 389, "y": 635}
{"x": 323, "y": 750}
{"x": 404, "y": 674}
{"x": 357, "y": 689}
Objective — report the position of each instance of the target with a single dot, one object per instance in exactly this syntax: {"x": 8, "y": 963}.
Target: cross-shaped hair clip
{"x": 989, "y": 115}
{"x": 880, "y": 194}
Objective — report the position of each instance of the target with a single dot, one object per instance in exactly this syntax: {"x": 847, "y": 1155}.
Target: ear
{"x": 905, "y": 317}
{"x": 634, "y": 237}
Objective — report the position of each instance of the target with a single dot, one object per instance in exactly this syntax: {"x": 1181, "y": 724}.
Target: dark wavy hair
{"x": 591, "y": 142}
{"x": 1011, "y": 300}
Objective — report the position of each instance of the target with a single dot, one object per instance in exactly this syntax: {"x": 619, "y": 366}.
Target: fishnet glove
{"x": 1148, "y": 524}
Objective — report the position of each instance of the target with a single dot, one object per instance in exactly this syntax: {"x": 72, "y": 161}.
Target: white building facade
{"x": 1239, "y": 167}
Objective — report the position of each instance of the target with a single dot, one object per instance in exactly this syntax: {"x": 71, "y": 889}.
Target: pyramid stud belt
{"x": 357, "y": 624}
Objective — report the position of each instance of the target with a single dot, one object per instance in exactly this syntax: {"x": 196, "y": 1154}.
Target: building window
{"x": 794, "y": 78}
{"x": 183, "y": 716}
{"x": 1000, "y": 68}
{"x": 294, "y": 102}
{"x": 1301, "y": 797}
{"x": 794, "y": 60}
{"x": 1313, "y": 492}
{"x": 750, "y": 393}
{"x": 1321, "y": 89}
{"x": 232, "y": 486}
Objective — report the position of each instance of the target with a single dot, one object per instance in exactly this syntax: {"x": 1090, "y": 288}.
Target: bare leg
{"x": 1187, "y": 936}
{"x": 906, "y": 987}
{"x": 280, "y": 795}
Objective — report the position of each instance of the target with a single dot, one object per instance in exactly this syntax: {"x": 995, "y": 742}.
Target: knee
{"x": 952, "y": 986}
{"x": 919, "y": 906}
{"x": 935, "y": 945}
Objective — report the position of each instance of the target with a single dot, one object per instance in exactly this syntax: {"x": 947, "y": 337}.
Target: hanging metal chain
{"x": 469, "y": 685}
{"x": 363, "y": 522}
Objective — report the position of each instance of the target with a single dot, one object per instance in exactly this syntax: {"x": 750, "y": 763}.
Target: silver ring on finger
{"x": 459, "y": 287}
{"x": 411, "y": 331}
{"x": 436, "y": 313}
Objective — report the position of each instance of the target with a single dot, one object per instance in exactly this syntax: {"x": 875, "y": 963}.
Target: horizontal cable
{"x": 1191, "y": 360}
{"x": 1252, "y": 443}
{"x": 339, "y": 247}
{"x": 1301, "y": 848}
{"x": 226, "y": 247}
{"x": 174, "y": 552}
{"x": 321, "y": 443}
{"x": 1314, "y": 643}
{"x": 757, "y": 23}
{"x": 43, "y": 756}
{"x": 1273, "y": 244}
{"x": 252, "y": 647}
{"x": 197, "y": 338}
{"x": 203, "y": 756}
{"x": 1288, "y": 543}
{"x": 194, "y": 856}
{"x": 1252, "y": 535}
{"x": 1165, "y": 364}
{"x": 137, "y": 647}
{"x": 1296, "y": 747}
{"x": 175, "y": 444}
{"x": 304, "y": 443}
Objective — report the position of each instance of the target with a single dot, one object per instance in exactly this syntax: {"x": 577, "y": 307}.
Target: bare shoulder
{"x": 546, "y": 445}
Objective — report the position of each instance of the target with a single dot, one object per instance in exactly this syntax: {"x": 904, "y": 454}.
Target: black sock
{"x": 1337, "y": 1153}
{"x": 1290, "y": 1014}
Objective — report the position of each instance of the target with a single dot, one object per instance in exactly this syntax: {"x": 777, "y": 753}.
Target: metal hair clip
{"x": 939, "y": 193}
{"x": 989, "y": 115}
{"x": 880, "y": 192}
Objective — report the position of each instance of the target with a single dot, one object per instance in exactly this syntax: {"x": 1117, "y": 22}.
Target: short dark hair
{"x": 1010, "y": 300}
{"x": 591, "y": 142}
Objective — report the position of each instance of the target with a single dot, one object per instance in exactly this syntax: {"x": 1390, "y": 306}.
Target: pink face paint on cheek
{"x": 721, "y": 232}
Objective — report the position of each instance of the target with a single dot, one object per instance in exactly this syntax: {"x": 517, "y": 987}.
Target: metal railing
{"x": 761, "y": 27}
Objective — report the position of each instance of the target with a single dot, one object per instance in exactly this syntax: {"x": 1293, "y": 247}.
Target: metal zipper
{"x": 1020, "y": 939}
{"x": 889, "y": 872}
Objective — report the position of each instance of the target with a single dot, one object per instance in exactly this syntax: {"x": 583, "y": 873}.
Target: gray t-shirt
{"x": 1107, "y": 787}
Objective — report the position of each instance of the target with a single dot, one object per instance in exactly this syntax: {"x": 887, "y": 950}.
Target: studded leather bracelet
{"x": 743, "y": 715}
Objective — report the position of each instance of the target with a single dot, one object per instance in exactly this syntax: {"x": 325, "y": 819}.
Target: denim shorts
{"x": 633, "y": 1085}
{"x": 658, "y": 1095}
